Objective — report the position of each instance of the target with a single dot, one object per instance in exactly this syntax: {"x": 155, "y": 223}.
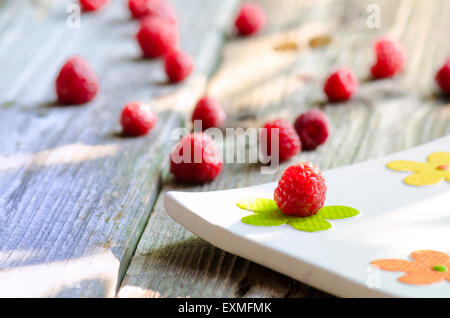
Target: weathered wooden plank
{"x": 254, "y": 82}
{"x": 75, "y": 195}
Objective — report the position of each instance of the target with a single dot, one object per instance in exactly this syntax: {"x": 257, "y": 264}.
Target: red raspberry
{"x": 195, "y": 159}
{"x": 178, "y": 65}
{"x": 313, "y": 128}
{"x": 301, "y": 190}
{"x": 137, "y": 119}
{"x": 250, "y": 19}
{"x": 209, "y": 112}
{"x": 76, "y": 82}
{"x": 157, "y": 37}
{"x": 443, "y": 77}
{"x": 341, "y": 85}
{"x": 390, "y": 58}
{"x": 288, "y": 141}
{"x": 92, "y": 5}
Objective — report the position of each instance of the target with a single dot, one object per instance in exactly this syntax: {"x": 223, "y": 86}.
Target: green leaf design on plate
{"x": 333, "y": 212}
{"x": 258, "y": 205}
{"x": 268, "y": 214}
{"x": 310, "y": 224}
{"x": 265, "y": 219}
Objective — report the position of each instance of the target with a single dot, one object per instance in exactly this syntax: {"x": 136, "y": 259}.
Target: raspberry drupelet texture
{"x": 76, "y": 82}
{"x": 341, "y": 85}
{"x": 250, "y": 19}
{"x": 137, "y": 119}
{"x": 390, "y": 58}
{"x": 92, "y": 5}
{"x": 178, "y": 65}
{"x": 157, "y": 37}
{"x": 195, "y": 159}
{"x": 301, "y": 190}
{"x": 209, "y": 112}
{"x": 288, "y": 143}
{"x": 443, "y": 77}
{"x": 313, "y": 128}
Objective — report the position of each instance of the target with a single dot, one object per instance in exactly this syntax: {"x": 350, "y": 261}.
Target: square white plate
{"x": 395, "y": 219}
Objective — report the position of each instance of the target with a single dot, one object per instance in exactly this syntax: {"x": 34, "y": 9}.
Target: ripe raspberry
{"x": 92, "y": 5}
{"x": 195, "y": 159}
{"x": 390, "y": 58}
{"x": 288, "y": 142}
{"x": 137, "y": 119}
{"x": 209, "y": 112}
{"x": 76, "y": 82}
{"x": 178, "y": 65}
{"x": 163, "y": 10}
{"x": 301, "y": 190}
{"x": 139, "y": 8}
{"x": 157, "y": 37}
{"x": 443, "y": 77}
{"x": 341, "y": 85}
{"x": 313, "y": 128}
{"x": 250, "y": 19}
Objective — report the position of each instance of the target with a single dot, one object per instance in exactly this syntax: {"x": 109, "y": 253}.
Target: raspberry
{"x": 161, "y": 9}
{"x": 288, "y": 142}
{"x": 312, "y": 128}
{"x": 137, "y": 119}
{"x": 250, "y": 19}
{"x": 341, "y": 85}
{"x": 390, "y": 58}
{"x": 178, "y": 65}
{"x": 157, "y": 37}
{"x": 443, "y": 77}
{"x": 301, "y": 190}
{"x": 209, "y": 112}
{"x": 76, "y": 82}
{"x": 195, "y": 159}
{"x": 92, "y": 5}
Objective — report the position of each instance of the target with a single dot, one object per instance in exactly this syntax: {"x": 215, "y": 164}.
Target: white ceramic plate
{"x": 395, "y": 220}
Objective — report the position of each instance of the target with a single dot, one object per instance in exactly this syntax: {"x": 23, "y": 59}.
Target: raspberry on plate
{"x": 250, "y": 19}
{"x": 137, "y": 119}
{"x": 313, "y": 128}
{"x": 341, "y": 85}
{"x": 92, "y": 5}
{"x": 443, "y": 77}
{"x": 301, "y": 190}
{"x": 195, "y": 159}
{"x": 76, "y": 83}
{"x": 178, "y": 65}
{"x": 288, "y": 143}
{"x": 209, "y": 112}
{"x": 390, "y": 58}
{"x": 157, "y": 37}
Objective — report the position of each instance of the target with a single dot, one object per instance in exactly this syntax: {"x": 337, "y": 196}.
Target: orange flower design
{"x": 428, "y": 267}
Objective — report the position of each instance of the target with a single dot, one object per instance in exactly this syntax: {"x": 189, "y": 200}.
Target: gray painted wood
{"x": 75, "y": 195}
{"x": 386, "y": 116}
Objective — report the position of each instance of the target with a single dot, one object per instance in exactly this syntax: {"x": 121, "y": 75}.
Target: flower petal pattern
{"x": 429, "y": 257}
{"x": 310, "y": 224}
{"x": 259, "y": 205}
{"x": 265, "y": 219}
{"x": 428, "y": 267}
{"x": 337, "y": 212}
{"x": 406, "y": 165}
{"x": 435, "y": 170}
{"x": 268, "y": 214}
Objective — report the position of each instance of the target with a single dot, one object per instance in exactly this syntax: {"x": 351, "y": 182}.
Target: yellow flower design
{"x": 436, "y": 169}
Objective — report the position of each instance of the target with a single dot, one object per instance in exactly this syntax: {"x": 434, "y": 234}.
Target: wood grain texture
{"x": 75, "y": 195}
{"x": 255, "y": 82}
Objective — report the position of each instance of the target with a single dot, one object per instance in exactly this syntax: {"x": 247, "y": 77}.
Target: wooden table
{"x": 81, "y": 211}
